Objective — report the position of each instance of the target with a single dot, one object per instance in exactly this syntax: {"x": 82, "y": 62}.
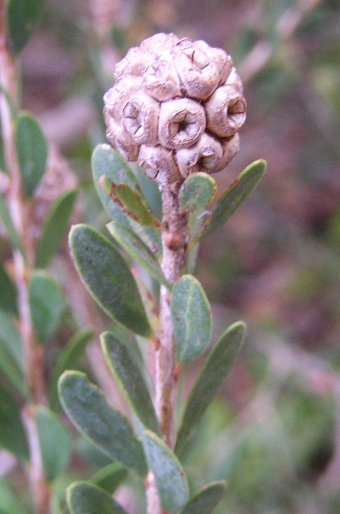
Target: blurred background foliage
{"x": 274, "y": 432}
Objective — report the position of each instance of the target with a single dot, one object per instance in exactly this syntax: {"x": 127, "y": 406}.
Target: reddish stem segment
{"x": 174, "y": 255}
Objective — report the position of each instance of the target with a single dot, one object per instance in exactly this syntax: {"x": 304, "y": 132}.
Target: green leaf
{"x": 22, "y": 18}
{"x": 8, "y": 296}
{"x": 233, "y": 198}
{"x": 106, "y": 161}
{"x": 205, "y": 500}
{"x": 191, "y": 318}
{"x": 110, "y": 477}
{"x": 210, "y": 378}
{"x": 11, "y": 370}
{"x": 46, "y": 303}
{"x": 68, "y": 358}
{"x": 54, "y": 442}
{"x": 12, "y": 432}
{"x": 54, "y": 228}
{"x": 196, "y": 191}
{"x": 169, "y": 475}
{"x": 11, "y": 358}
{"x": 9, "y": 503}
{"x": 108, "y": 429}
{"x": 31, "y": 150}
{"x": 11, "y": 231}
{"x": 134, "y": 246}
{"x": 86, "y": 498}
{"x": 108, "y": 278}
{"x": 127, "y": 372}
{"x": 10, "y": 337}
{"x": 130, "y": 201}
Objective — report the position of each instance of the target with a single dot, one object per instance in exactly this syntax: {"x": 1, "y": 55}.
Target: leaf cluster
{"x": 138, "y": 446}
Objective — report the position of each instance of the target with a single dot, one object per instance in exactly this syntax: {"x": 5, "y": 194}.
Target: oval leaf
{"x": 9, "y": 501}
{"x": 130, "y": 201}
{"x": 46, "y": 303}
{"x": 210, "y": 378}
{"x": 108, "y": 278}
{"x": 68, "y": 358}
{"x": 54, "y": 228}
{"x": 11, "y": 231}
{"x": 11, "y": 358}
{"x": 110, "y": 477}
{"x": 11, "y": 370}
{"x": 31, "y": 150}
{"x": 108, "y": 429}
{"x": 12, "y": 432}
{"x": 129, "y": 377}
{"x": 196, "y": 191}
{"x": 191, "y": 318}
{"x": 86, "y": 498}
{"x": 233, "y": 198}
{"x": 205, "y": 500}
{"x": 22, "y": 17}
{"x": 8, "y": 296}
{"x": 10, "y": 337}
{"x": 169, "y": 475}
{"x": 105, "y": 160}
{"x": 134, "y": 246}
{"x": 54, "y": 442}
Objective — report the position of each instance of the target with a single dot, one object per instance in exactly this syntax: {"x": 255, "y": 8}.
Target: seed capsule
{"x": 176, "y": 107}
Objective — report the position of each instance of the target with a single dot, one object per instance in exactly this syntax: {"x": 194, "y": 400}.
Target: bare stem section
{"x": 174, "y": 254}
{"x": 19, "y": 210}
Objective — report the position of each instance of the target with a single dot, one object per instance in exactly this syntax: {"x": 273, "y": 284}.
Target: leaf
{"x": 130, "y": 201}
{"x": 196, "y": 191}
{"x": 11, "y": 370}
{"x": 106, "y": 161}
{"x": 135, "y": 247}
{"x": 11, "y": 358}
{"x": 191, "y": 318}
{"x": 12, "y": 432}
{"x": 31, "y": 150}
{"x": 8, "y": 296}
{"x": 11, "y": 231}
{"x": 127, "y": 373}
{"x": 108, "y": 278}
{"x": 54, "y": 228}
{"x": 210, "y": 378}
{"x": 233, "y": 198}
{"x": 69, "y": 357}
{"x": 9, "y": 502}
{"x": 86, "y": 498}
{"x": 22, "y": 17}
{"x": 10, "y": 337}
{"x": 205, "y": 500}
{"x": 169, "y": 475}
{"x": 110, "y": 477}
{"x": 108, "y": 429}
{"x": 46, "y": 303}
{"x": 54, "y": 442}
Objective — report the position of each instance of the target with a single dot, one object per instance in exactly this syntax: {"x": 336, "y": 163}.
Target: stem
{"x": 174, "y": 254}
{"x": 174, "y": 241}
{"x": 19, "y": 210}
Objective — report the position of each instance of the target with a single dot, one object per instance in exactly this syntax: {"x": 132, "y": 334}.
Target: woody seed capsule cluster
{"x": 176, "y": 107}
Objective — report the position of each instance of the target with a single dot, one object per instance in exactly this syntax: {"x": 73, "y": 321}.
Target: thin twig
{"x": 33, "y": 353}
{"x": 174, "y": 254}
